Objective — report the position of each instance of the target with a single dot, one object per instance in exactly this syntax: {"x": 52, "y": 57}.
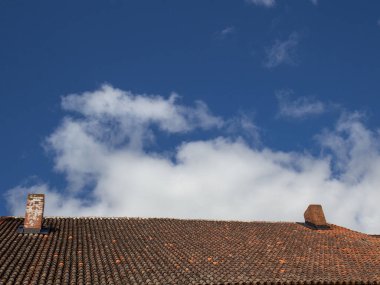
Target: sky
{"x": 204, "y": 109}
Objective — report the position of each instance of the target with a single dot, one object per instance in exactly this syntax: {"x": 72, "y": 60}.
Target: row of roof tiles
{"x": 171, "y": 251}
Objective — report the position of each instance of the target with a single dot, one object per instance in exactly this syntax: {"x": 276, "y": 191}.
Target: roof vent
{"x": 34, "y": 214}
{"x": 315, "y": 218}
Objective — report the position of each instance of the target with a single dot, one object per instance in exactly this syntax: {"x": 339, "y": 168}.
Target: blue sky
{"x": 292, "y": 85}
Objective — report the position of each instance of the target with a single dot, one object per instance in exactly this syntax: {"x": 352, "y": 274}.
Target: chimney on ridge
{"x": 315, "y": 217}
{"x": 34, "y": 214}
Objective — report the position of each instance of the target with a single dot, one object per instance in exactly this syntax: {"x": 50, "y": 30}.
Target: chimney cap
{"x": 315, "y": 217}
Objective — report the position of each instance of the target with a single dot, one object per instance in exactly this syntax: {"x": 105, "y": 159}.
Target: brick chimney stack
{"x": 315, "y": 217}
{"x": 34, "y": 213}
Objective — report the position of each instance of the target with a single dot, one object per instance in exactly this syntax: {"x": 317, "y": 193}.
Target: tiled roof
{"x": 171, "y": 251}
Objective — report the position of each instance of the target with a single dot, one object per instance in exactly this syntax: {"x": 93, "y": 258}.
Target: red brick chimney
{"x": 315, "y": 217}
{"x": 34, "y": 213}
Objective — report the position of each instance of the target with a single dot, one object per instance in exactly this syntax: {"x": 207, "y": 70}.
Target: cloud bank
{"x": 102, "y": 149}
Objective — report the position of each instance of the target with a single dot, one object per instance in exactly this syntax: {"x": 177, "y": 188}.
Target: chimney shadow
{"x": 314, "y": 227}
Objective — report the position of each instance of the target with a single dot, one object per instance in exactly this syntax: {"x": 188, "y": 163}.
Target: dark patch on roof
{"x": 170, "y": 251}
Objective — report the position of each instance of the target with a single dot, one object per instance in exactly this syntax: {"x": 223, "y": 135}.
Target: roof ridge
{"x": 336, "y": 227}
{"x": 155, "y": 218}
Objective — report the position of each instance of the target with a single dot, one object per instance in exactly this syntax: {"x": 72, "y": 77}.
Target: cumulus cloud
{"x": 282, "y": 52}
{"x": 265, "y": 3}
{"x": 298, "y": 108}
{"x": 222, "y": 177}
{"x": 129, "y": 110}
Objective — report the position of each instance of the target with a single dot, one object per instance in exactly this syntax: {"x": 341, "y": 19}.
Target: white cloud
{"x": 226, "y": 32}
{"x": 266, "y": 3}
{"x": 298, "y": 108}
{"x": 271, "y": 3}
{"x": 282, "y": 52}
{"x": 218, "y": 178}
{"x": 243, "y": 126}
{"x": 113, "y": 104}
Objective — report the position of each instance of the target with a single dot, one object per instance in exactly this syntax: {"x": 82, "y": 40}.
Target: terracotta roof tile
{"x": 170, "y": 251}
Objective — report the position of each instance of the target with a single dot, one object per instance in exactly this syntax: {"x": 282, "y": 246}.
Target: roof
{"x": 172, "y": 251}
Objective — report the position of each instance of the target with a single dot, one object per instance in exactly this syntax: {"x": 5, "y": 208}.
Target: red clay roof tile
{"x": 170, "y": 251}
